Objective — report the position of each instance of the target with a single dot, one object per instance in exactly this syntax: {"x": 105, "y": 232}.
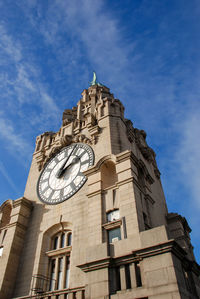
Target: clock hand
{"x": 62, "y": 169}
{"x": 74, "y": 161}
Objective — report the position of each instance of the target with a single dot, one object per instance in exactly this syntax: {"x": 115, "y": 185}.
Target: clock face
{"x": 63, "y": 175}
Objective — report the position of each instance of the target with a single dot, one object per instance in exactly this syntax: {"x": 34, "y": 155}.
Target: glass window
{"x": 113, "y": 215}
{"x": 62, "y": 243}
{"x": 67, "y": 272}
{"x": 60, "y": 262}
{"x": 52, "y": 276}
{"x": 128, "y": 277}
{"x": 55, "y": 243}
{"x": 60, "y": 272}
{"x": 69, "y": 239}
{"x": 114, "y": 235}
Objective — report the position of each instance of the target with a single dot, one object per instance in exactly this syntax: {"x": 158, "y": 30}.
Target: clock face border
{"x": 87, "y": 149}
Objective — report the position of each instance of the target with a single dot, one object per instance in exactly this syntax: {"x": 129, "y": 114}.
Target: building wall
{"x": 149, "y": 259}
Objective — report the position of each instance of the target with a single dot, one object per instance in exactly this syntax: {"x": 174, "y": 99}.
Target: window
{"x": 59, "y": 260}
{"x": 146, "y": 222}
{"x": 138, "y": 275}
{"x": 55, "y": 243}
{"x": 52, "y": 275}
{"x": 69, "y": 239}
{"x": 113, "y": 215}
{"x": 128, "y": 277}
{"x": 62, "y": 240}
{"x": 114, "y": 235}
{"x": 113, "y": 226}
{"x": 67, "y": 272}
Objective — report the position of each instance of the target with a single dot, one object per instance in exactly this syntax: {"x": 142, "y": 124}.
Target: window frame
{"x": 59, "y": 255}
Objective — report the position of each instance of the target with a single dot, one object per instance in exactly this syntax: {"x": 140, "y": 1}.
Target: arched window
{"x": 5, "y": 212}
{"x": 59, "y": 260}
{"x": 5, "y": 216}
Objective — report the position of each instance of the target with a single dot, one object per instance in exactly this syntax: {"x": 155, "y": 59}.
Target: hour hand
{"x": 74, "y": 161}
{"x": 62, "y": 169}
{"x": 60, "y": 172}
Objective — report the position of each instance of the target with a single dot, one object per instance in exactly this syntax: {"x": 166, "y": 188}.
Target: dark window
{"x": 55, "y": 243}
{"x": 138, "y": 275}
{"x": 62, "y": 240}
{"x": 67, "y": 272}
{"x": 52, "y": 275}
{"x": 128, "y": 277}
{"x": 60, "y": 272}
{"x": 118, "y": 281}
{"x": 69, "y": 239}
{"x": 114, "y": 235}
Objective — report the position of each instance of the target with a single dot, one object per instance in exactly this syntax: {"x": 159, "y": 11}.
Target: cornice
{"x": 112, "y": 224}
{"x": 140, "y": 254}
{"x": 22, "y": 201}
{"x": 95, "y": 265}
{"x": 161, "y": 248}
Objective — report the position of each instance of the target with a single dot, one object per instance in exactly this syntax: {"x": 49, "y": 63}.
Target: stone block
{"x": 153, "y": 236}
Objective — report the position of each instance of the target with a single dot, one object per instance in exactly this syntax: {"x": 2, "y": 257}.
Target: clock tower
{"x": 93, "y": 221}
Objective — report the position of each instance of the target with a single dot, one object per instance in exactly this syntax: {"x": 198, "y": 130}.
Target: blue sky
{"x": 146, "y": 52}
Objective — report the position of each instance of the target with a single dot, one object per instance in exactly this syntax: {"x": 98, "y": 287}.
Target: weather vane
{"x": 94, "y": 80}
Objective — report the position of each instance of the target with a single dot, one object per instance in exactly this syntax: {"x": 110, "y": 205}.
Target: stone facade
{"x": 119, "y": 239}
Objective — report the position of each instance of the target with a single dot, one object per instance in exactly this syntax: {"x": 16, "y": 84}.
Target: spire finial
{"x": 94, "y": 80}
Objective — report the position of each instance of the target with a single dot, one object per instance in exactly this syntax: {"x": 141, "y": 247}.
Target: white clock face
{"x": 63, "y": 175}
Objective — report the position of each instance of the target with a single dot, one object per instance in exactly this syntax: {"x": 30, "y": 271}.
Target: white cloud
{"x": 9, "y": 46}
{"x": 14, "y": 142}
{"x": 22, "y": 85}
{"x": 7, "y": 177}
{"x": 188, "y": 156}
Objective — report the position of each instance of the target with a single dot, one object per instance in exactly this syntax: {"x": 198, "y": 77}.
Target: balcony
{"x": 40, "y": 290}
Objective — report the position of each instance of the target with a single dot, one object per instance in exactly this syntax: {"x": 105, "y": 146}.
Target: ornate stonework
{"x": 113, "y": 237}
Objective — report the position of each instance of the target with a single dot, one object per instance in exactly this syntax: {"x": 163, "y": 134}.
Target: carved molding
{"x": 130, "y": 130}
{"x": 147, "y": 152}
{"x": 44, "y": 155}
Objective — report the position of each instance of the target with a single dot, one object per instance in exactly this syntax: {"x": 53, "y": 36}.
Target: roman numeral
{"x": 56, "y": 160}
{"x": 73, "y": 186}
{"x": 85, "y": 162}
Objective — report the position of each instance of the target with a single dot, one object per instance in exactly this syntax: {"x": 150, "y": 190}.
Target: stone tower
{"x": 93, "y": 221}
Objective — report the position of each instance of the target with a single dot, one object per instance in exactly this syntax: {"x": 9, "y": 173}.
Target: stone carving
{"x": 43, "y": 140}
{"x": 129, "y": 130}
{"x": 69, "y": 115}
{"x": 66, "y": 140}
{"x": 90, "y": 108}
{"x": 82, "y": 138}
{"x": 44, "y": 155}
{"x": 147, "y": 152}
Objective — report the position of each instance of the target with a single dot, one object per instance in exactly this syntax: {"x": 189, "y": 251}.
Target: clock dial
{"x": 63, "y": 175}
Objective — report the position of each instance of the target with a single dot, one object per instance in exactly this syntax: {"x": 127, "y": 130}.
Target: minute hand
{"x": 60, "y": 171}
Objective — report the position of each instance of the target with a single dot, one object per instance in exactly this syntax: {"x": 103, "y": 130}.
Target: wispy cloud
{"x": 23, "y": 94}
{"x": 9, "y": 46}
{"x": 188, "y": 156}
{"x": 6, "y": 175}
{"x": 13, "y": 141}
